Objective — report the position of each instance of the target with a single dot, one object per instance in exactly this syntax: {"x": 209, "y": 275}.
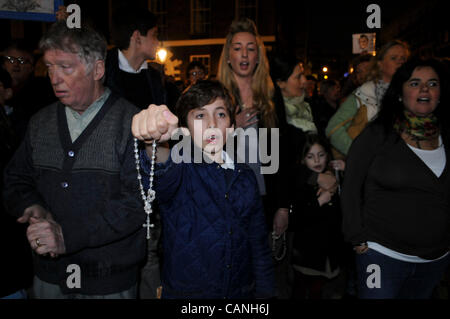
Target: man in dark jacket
{"x": 129, "y": 74}
{"x": 74, "y": 179}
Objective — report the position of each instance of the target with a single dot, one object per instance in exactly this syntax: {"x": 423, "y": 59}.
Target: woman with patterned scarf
{"x": 396, "y": 192}
{"x": 363, "y": 104}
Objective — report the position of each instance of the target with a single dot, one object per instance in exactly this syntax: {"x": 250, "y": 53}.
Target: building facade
{"x": 195, "y": 29}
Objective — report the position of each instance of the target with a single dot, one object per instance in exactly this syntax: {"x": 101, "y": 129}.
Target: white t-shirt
{"x": 434, "y": 159}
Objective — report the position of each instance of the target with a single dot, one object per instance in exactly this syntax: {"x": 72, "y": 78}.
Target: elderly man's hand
{"x": 154, "y": 123}
{"x": 36, "y": 211}
{"x": 45, "y": 236}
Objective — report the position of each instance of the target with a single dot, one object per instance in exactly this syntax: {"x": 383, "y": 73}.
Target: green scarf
{"x": 420, "y": 128}
{"x": 299, "y": 114}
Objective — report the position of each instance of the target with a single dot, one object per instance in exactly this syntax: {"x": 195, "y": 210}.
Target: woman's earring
{"x": 400, "y": 99}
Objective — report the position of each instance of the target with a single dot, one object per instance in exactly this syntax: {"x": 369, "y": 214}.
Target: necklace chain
{"x": 151, "y": 194}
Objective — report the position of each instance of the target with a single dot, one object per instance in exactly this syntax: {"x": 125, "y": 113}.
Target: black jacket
{"x": 391, "y": 197}
{"x": 162, "y": 92}
{"x": 317, "y": 228}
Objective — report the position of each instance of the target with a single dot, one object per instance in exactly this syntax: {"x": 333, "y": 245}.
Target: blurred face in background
{"x": 295, "y": 84}
{"x": 5, "y": 94}
{"x": 361, "y": 71}
{"x": 334, "y": 93}
{"x": 196, "y": 74}
{"x": 310, "y": 86}
{"x": 19, "y": 65}
{"x": 391, "y": 61}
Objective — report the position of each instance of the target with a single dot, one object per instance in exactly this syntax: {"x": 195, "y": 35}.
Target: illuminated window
{"x": 159, "y": 9}
{"x": 200, "y": 16}
{"x": 247, "y": 9}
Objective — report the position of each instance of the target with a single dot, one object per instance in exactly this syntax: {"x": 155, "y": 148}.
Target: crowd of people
{"x": 262, "y": 183}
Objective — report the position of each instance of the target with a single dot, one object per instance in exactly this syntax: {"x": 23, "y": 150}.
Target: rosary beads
{"x": 151, "y": 194}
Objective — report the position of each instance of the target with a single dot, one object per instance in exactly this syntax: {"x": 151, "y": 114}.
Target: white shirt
{"x": 227, "y": 161}
{"x": 125, "y": 66}
{"x": 434, "y": 159}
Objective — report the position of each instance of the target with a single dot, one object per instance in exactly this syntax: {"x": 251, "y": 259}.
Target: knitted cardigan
{"x": 90, "y": 188}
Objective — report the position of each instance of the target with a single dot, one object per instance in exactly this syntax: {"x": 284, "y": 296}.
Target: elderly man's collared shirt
{"x": 78, "y": 122}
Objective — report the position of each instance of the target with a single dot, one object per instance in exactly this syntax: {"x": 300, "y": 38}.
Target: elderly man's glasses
{"x": 20, "y": 60}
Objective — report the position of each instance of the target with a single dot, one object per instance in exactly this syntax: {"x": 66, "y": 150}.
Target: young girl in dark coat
{"x": 316, "y": 222}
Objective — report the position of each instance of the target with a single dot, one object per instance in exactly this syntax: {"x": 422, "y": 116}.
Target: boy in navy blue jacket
{"x": 214, "y": 237}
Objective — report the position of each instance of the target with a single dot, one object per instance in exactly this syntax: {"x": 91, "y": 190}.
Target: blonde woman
{"x": 244, "y": 70}
{"x": 363, "y": 104}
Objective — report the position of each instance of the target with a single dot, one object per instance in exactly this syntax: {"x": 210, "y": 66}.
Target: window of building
{"x": 204, "y": 59}
{"x": 200, "y": 16}
{"x": 159, "y": 9}
{"x": 247, "y": 9}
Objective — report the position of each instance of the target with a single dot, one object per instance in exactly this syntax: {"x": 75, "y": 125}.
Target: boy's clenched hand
{"x": 154, "y": 123}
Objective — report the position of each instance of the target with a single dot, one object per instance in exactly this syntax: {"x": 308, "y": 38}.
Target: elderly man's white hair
{"x": 86, "y": 42}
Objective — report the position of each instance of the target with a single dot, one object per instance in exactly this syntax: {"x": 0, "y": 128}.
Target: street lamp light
{"x": 325, "y": 69}
{"x": 161, "y": 55}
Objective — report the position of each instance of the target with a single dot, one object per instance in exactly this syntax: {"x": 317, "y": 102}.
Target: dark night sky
{"x": 326, "y": 27}
{"x": 330, "y": 23}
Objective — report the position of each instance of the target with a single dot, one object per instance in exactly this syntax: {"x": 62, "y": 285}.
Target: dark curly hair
{"x": 200, "y": 94}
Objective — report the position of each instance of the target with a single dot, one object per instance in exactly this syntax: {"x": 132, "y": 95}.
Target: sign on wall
{"x": 364, "y": 43}
{"x": 39, "y": 10}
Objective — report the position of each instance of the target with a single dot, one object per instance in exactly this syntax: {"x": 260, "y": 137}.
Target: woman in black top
{"x": 396, "y": 192}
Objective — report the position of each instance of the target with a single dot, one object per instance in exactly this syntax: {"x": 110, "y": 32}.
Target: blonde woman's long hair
{"x": 262, "y": 85}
